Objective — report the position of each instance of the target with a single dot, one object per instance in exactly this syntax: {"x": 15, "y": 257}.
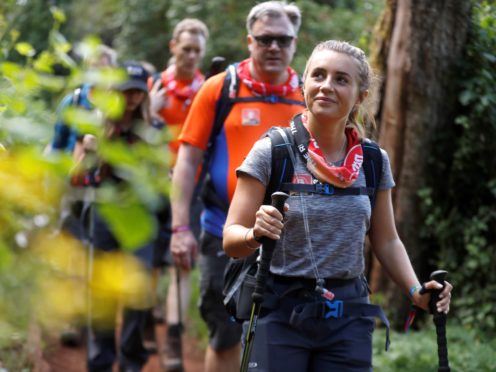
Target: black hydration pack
{"x": 239, "y": 275}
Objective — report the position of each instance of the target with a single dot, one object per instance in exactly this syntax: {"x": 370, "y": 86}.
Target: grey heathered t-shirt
{"x": 337, "y": 224}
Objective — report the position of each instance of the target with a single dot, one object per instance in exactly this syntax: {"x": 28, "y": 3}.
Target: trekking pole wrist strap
{"x": 247, "y": 242}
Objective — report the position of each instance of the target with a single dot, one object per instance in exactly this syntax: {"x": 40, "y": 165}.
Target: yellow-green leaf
{"x": 132, "y": 224}
{"x": 83, "y": 120}
{"x": 105, "y": 77}
{"x": 10, "y": 70}
{"x": 111, "y": 103}
{"x": 118, "y": 153}
{"x": 58, "y": 14}
{"x": 44, "y": 62}
{"x": 25, "y": 49}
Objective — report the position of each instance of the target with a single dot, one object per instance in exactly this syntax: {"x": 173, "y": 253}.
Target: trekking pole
{"x": 179, "y": 314}
{"x": 268, "y": 245}
{"x": 439, "y": 320}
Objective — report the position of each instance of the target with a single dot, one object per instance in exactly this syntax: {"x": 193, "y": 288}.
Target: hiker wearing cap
{"x": 269, "y": 92}
{"x": 315, "y": 314}
{"x": 127, "y": 129}
{"x": 171, "y": 93}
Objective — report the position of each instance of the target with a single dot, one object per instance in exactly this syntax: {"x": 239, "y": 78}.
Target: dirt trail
{"x": 57, "y": 358}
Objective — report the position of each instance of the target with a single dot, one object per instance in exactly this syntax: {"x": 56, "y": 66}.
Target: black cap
{"x": 137, "y": 77}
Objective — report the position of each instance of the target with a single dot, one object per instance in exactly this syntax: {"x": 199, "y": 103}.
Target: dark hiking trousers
{"x": 315, "y": 344}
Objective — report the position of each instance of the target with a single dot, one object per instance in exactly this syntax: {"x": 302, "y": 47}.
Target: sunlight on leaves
{"x": 105, "y": 77}
{"x": 25, "y": 49}
{"x": 22, "y": 178}
{"x": 131, "y": 223}
{"x": 44, "y": 62}
{"x": 58, "y": 14}
{"x": 64, "y": 281}
{"x": 111, "y": 103}
{"x": 84, "y": 121}
{"x": 88, "y": 48}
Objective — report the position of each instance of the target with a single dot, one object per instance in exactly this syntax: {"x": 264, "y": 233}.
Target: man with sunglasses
{"x": 268, "y": 95}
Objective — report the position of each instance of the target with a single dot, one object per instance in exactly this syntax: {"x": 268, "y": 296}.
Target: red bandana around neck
{"x": 340, "y": 176}
{"x": 185, "y": 93}
{"x": 263, "y": 89}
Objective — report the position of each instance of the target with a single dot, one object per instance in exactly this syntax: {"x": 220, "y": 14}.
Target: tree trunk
{"x": 417, "y": 52}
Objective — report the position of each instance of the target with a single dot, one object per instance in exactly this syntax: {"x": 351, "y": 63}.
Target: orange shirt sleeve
{"x": 199, "y": 122}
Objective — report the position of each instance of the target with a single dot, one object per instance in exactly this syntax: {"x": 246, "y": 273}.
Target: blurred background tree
{"x": 436, "y": 119}
{"x": 142, "y": 32}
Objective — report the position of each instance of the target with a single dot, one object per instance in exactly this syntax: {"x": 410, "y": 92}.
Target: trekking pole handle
{"x": 439, "y": 276}
{"x": 440, "y": 321}
{"x": 278, "y": 200}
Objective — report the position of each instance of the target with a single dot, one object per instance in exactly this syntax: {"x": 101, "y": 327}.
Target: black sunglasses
{"x": 283, "y": 41}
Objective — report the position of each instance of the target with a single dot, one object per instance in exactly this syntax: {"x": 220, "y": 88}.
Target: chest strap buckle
{"x": 332, "y": 309}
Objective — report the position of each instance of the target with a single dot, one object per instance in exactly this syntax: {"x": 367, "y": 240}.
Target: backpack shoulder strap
{"x": 283, "y": 160}
{"x": 372, "y": 166}
{"x": 76, "y": 97}
{"x": 229, "y": 92}
{"x": 229, "y": 89}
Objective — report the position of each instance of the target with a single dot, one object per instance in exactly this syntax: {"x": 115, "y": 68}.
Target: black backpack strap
{"x": 229, "y": 92}
{"x": 283, "y": 160}
{"x": 326, "y": 189}
{"x": 76, "y": 97}
{"x": 157, "y": 76}
{"x": 372, "y": 166}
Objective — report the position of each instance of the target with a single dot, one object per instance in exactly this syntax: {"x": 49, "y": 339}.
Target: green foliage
{"x": 319, "y": 23}
{"x": 417, "y": 351}
{"x": 459, "y": 207}
{"x": 32, "y": 183}
{"x": 197, "y": 326}
{"x": 142, "y": 32}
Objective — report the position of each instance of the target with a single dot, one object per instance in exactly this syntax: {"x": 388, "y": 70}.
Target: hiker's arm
{"x": 248, "y": 218}
{"x": 82, "y": 149}
{"x": 158, "y": 99}
{"x": 392, "y": 254}
{"x": 183, "y": 243}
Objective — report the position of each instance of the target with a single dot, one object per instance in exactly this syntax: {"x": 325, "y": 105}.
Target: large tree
{"x": 417, "y": 49}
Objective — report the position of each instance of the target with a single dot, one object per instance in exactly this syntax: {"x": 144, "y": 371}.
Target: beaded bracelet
{"x": 180, "y": 228}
